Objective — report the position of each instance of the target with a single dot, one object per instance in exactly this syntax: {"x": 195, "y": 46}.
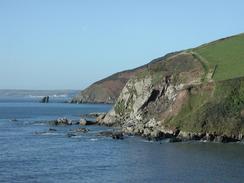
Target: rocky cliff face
{"x": 177, "y": 98}
{"x": 108, "y": 90}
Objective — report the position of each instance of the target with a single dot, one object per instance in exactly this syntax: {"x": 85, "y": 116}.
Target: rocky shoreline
{"x": 173, "y": 136}
{"x": 119, "y": 132}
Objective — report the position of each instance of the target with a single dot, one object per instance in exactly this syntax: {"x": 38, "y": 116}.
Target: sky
{"x": 69, "y": 44}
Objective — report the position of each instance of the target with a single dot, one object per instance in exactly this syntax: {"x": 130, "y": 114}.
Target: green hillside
{"x": 226, "y": 55}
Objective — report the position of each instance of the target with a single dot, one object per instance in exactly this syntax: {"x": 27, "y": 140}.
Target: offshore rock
{"x": 45, "y": 99}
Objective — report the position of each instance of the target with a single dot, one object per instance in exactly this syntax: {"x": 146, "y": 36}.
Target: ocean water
{"x": 30, "y": 153}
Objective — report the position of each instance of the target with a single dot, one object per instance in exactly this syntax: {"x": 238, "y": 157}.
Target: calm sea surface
{"x": 29, "y": 153}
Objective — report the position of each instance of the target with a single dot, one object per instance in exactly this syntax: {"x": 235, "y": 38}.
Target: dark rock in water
{"x": 113, "y": 134}
{"x": 38, "y": 133}
{"x": 71, "y": 135}
{"x": 91, "y": 123}
{"x": 77, "y": 132}
{"x": 49, "y": 132}
{"x": 81, "y": 130}
{"x": 174, "y": 140}
{"x": 45, "y": 99}
{"x": 118, "y": 135}
{"x": 61, "y": 121}
{"x": 52, "y": 130}
{"x": 13, "y": 120}
{"x": 105, "y": 133}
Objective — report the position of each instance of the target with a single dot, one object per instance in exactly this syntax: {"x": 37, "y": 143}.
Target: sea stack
{"x": 45, "y": 99}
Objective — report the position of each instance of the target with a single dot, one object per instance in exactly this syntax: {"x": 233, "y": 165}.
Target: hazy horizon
{"x": 53, "y": 45}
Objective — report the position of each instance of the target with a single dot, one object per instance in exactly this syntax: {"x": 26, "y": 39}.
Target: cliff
{"x": 196, "y": 94}
{"x": 107, "y": 90}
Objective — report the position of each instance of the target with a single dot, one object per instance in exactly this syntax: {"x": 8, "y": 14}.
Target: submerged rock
{"x": 52, "y": 130}
{"x": 174, "y": 140}
{"x": 60, "y": 121}
{"x": 118, "y": 135}
{"x": 48, "y": 132}
{"x": 81, "y": 130}
{"x": 77, "y": 132}
{"x": 114, "y": 134}
{"x": 13, "y": 120}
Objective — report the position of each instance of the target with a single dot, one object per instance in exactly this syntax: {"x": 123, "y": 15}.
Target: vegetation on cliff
{"x": 226, "y": 54}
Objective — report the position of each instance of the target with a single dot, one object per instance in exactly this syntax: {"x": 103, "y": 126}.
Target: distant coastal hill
{"x": 37, "y": 95}
{"x": 12, "y": 92}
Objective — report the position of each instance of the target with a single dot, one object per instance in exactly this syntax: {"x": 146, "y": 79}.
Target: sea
{"x": 31, "y": 153}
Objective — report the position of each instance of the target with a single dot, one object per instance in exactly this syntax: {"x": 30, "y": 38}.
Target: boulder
{"x": 60, "y": 121}
{"x": 83, "y": 122}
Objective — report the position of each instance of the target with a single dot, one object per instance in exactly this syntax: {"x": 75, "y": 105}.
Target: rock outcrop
{"x": 60, "y": 121}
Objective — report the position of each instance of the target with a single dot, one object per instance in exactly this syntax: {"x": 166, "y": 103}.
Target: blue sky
{"x": 68, "y": 44}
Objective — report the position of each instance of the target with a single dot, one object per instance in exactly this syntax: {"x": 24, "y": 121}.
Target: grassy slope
{"x": 214, "y": 108}
{"x": 227, "y": 54}
{"x": 217, "y": 107}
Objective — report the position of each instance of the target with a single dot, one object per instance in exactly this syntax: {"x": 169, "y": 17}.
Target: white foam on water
{"x": 93, "y": 139}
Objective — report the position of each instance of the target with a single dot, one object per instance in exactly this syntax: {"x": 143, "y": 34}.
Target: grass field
{"x": 227, "y": 54}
